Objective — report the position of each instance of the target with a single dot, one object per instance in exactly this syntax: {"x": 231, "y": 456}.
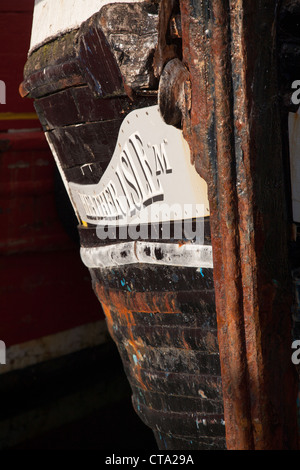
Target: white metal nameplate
{"x": 149, "y": 179}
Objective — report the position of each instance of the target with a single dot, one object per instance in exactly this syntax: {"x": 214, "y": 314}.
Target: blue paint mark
{"x": 96, "y": 83}
{"x": 135, "y": 359}
{"x": 123, "y": 282}
{"x": 128, "y": 288}
{"x": 199, "y": 270}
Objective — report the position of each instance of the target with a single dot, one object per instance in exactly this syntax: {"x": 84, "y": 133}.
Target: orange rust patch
{"x": 124, "y": 304}
{"x": 148, "y": 302}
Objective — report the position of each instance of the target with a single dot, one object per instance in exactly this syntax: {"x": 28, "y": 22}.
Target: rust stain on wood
{"x": 232, "y": 153}
{"x": 123, "y": 304}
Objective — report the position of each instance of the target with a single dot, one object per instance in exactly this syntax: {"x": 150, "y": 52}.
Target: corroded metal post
{"x": 233, "y": 129}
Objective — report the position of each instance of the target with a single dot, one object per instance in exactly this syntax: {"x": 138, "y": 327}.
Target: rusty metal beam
{"x": 233, "y": 129}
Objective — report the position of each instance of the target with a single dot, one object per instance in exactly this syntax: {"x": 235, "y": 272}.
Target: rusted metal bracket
{"x": 174, "y": 93}
{"x": 164, "y": 51}
{"x": 233, "y": 129}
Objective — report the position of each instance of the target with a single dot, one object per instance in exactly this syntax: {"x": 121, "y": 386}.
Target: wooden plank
{"x": 181, "y": 384}
{"x": 78, "y": 105}
{"x": 147, "y": 279}
{"x": 85, "y": 143}
{"x": 131, "y": 30}
{"x": 89, "y": 174}
{"x": 159, "y": 401}
{"x": 52, "y": 79}
{"x": 182, "y": 424}
{"x": 193, "y": 315}
{"x": 58, "y": 110}
{"x": 171, "y": 359}
{"x": 101, "y": 69}
{"x": 203, "y": 339}
{"x": 167, "y": 441}
{"x": 52, "y": 54}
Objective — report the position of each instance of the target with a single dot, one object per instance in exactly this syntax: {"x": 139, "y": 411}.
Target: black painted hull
{"x": 164, "y": 324}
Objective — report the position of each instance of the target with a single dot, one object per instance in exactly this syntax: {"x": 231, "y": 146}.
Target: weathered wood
{"x": 203, "y": 339}
{"x": 204, "y": 386}
{"x": 58, "y": 76}
{"x": 51, "y": 55}
{"x": 146, "y": 280}
{"x": 112, "y": 52}
{"x": 78, "y": 105}
{"x": 171, "y": 359}
{"x": 85, "y": 174}
{"x": 131, "y": 31}
{"x": 75, "y": 106}
{"x": 101, "y": 70}
{"x": 196, "y": 431}
{"x": 191, "y": 313}
{"x": 176, "y": 404}
{"x": 85, "y": 143}
{"x": 234, "y": 134}
{"x": 143, "y": 324}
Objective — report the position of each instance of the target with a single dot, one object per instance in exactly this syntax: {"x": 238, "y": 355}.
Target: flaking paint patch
{"x": 111, "y": 302}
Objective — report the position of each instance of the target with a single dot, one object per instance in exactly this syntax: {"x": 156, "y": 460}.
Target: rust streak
{"x": 221, "y": 49}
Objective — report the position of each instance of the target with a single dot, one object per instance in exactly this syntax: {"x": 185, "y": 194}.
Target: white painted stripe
{"x": 170, "y": 254}
{"x": 54, "y": 17}
{"x": 53, "y": 346}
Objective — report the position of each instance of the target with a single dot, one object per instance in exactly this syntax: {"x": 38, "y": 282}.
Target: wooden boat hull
{"x": 163, "y": 321}
{"x": 161, "y": 315}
